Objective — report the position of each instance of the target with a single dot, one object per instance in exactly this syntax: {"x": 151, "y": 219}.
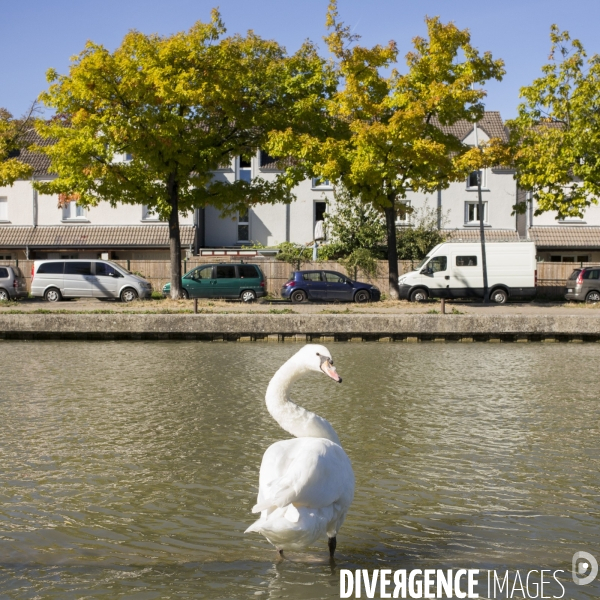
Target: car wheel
{"x": 362, "y": 296}
{"x": 248, "y": 296}
{"x": 184, "y": 294}
{"x": 128, "y": 295}
{"x": 4, "y": 297}
{"x": 419, "y": 295}
{"x": 52, "y": 295}
{"x": 499, "y": 296}
{"x": 298, "y": 296}
{"x": 593, "y": 297}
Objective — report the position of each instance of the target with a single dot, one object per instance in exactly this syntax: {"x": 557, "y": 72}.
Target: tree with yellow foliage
{"x": 178, "y": 108}
{"x": 388, "y": 138}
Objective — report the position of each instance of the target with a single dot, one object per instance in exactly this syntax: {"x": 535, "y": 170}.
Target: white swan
{"x": 306, "y": 484}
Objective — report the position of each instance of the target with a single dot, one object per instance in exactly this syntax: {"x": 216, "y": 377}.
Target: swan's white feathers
{"x": 306, "y": 484}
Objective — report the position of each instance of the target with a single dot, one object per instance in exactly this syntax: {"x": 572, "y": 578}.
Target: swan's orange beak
{"x": 329, "y": 369}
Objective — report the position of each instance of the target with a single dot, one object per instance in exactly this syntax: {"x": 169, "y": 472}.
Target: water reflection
{"x": 131, "y": 468}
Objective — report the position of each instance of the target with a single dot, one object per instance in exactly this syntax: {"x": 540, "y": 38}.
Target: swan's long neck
{"x": 291, "y": 417}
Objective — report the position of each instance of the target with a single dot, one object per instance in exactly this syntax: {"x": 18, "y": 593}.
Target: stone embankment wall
{"x": 304, "y": 328}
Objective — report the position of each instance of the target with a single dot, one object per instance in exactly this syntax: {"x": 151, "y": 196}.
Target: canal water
{"x": 129, "y": 469}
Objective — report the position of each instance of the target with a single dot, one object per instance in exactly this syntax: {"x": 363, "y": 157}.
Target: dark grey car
{"x": 12, "y": 283}
{"x": 584, "y": 285}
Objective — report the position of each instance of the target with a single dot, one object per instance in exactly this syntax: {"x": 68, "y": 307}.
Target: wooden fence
{"x": 551, "y": 276}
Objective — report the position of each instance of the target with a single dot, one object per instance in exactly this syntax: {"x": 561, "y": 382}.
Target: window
{"x": 225, "y": 272}
{"x": 319, "y": 228}
{"x": 334, "y": 277}
{"x": 51, "y": 267}
{"x": 312, "y": 276}
{"x": 78, "y": 268}
{"x": 472, "y": 179}
{"x": 149, "y": 214}
{"x": 594, "y": 274}
{"x": 556, "y": 258}
{"x": 437, "y": 264}
{"x": 128, "y": 157}
{"x": 247, "y": 272}
{"x": 402, "y": 212}
{"x": 73, "y": 211}
{"x": 106, "y": 270}
{"x": 243, "y": 227}
{"x": 4, "y": 209}
{"x": 201, "y": 273}
{"x": 466, "y": 261}
{"x": 245, "y": 170}
{"x": 320, "y": 183}
{"x": 472, "y": 213}
{"x": 266, "y": 159}
{"x": 3, "y": 273}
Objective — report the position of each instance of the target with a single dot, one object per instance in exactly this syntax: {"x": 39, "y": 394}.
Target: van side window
{"x": 105, "y": 270}
{"x": 52, "y": 267}
{"x": 201, "y": 273}
{"x": 225, "y": 272}
{"x": 466, "y": 261}
{"x": 247, "y": 271}
{"x": 78, "y": 268}
{"x": 439, "y": 263}
{"x": 591, "y": 274}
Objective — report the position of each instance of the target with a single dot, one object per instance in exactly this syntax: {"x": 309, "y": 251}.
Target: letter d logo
{"x": 584, "y": 562}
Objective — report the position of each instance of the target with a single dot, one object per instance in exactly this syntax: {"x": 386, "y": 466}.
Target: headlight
{"x": 374, "y": 287}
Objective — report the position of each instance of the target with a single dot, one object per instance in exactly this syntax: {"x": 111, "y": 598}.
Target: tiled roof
{"x": 39, "y": 162}
{"x": 472, "y": 235}
{"x": 92, "y": 236}
{"x": 565, "y": 236}
{"x": 491, "y": 123}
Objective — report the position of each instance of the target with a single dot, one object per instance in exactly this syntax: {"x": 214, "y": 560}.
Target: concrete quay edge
{"x": 269, "y": 327}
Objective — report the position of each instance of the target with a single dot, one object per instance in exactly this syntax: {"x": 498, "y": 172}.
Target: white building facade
{"x": 32, "y": 225}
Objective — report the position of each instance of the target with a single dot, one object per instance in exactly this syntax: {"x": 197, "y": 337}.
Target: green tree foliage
{"x": 387, "y": 137}
{"x": 556, "y": 136}
{"x": 13, "y": 139}
{"x": 354, "y": 225}
{"x": 180, "y": 107}
{"x": 415, "y": 241}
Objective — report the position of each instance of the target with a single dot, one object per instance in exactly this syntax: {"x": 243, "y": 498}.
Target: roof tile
{"x": 565, "y": 236}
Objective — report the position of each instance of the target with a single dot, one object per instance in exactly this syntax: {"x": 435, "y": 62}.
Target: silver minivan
{"x": 55, "y": 279}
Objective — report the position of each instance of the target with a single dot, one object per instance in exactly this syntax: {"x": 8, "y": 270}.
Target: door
{"x": 466, "y": 276}
{"x": 436, "y": 276}
{"x": 78, "y": 279}
{"x": 225, "y": 283}
{"x": 338, "y": 287}
{"x": 314, "y": 284}
{"x": 197, "y": 283}
{"x": 106, "y": 281}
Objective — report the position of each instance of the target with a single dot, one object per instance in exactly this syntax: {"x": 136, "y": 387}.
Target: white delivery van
{"x": 453, "y": 270}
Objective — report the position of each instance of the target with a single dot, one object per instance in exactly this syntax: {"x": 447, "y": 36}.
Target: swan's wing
{"x": 309, "y": 472}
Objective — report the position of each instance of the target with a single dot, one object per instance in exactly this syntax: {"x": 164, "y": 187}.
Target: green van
{"x": 225, "y": 280}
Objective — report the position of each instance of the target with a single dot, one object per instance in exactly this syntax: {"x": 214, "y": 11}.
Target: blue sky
{"x": 37, "y": 35}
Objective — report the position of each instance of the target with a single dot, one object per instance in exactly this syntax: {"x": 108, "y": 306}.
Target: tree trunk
{"x": 390, "y": 224}
{"x": 174, "y": 239}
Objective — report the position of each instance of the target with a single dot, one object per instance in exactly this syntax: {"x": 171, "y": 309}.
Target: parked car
{"x": 242, "y": 281}
{"x": 454, "y": 270}
{"x": 54, "y": 280}
{"x": 328, "y": 286}
{"x": 12, "y": 283}
{"x": 584, "y": 285}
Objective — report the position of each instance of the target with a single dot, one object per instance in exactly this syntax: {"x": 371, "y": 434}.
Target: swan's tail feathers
{"x": 255, "y": 526}
{"x": 284, "y": 495}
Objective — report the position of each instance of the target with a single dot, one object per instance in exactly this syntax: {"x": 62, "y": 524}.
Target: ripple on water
{"x": 130, "y": 469}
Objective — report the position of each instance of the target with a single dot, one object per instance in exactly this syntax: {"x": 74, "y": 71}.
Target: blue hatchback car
{"x": 327, "y": 286}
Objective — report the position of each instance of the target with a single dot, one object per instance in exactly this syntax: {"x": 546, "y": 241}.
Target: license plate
{"x": 569, "y": 290}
